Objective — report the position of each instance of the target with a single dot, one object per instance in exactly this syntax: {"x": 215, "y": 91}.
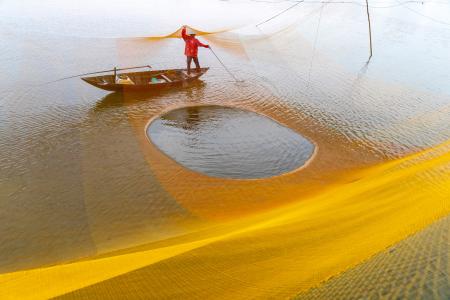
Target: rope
{"x": 290, "y": 7}
{"x": 425, "y": 16}
{"x": 356, "y": 3}
{"x": 314, "y": 46}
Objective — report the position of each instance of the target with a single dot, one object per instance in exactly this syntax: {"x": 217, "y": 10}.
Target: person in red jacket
{"x": 191, "y": 49}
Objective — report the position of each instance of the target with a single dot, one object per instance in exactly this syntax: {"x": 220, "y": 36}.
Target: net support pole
{"x": 370, "y": 30}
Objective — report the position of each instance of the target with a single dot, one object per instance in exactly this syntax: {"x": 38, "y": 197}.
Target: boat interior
{"x": 147, "y": 77}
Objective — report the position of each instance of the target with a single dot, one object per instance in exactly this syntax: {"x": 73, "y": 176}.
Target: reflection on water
{"x": 116, "y": 99}
{"x": 229, "y": 142}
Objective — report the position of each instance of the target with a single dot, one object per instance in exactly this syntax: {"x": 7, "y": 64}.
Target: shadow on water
{"x": 116, "y": 99}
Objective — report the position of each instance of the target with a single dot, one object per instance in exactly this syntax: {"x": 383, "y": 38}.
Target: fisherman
{"x": 191, "y": 49}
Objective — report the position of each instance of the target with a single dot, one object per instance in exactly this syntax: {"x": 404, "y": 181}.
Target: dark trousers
{"x": 189, "y": 60}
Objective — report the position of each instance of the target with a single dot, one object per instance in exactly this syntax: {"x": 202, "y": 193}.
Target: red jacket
{"x": 192, "y": 44}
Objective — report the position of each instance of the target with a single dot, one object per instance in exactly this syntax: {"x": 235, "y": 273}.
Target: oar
{"x": 91, "y": 73}
{"x": 224, "y": 65}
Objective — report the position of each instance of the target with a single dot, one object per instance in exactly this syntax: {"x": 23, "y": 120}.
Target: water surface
{"x": 79, "y": 178}
{"x": 229, "y": 142}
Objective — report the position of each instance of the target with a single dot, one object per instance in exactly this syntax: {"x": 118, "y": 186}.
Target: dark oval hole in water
{"x": 228, "y": 142}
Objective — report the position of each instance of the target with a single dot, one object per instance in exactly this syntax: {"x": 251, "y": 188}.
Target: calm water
{"x": 77, "y": 176}
{"x": 228, "y": 142}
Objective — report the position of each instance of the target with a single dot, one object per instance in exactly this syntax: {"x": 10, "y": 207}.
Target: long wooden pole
{"x": 223, "y": 65}
{"x": 105, "y": 71}
{"x": 370, "y": 29}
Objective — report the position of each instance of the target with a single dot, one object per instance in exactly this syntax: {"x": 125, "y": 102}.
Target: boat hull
{"x": 142, "y": 81}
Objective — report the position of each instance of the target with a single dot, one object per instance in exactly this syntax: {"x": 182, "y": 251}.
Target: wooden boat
{"x": 146, "y": 80}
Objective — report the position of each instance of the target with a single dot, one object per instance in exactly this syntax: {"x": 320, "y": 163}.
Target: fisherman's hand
{"x": 207, "y": 46}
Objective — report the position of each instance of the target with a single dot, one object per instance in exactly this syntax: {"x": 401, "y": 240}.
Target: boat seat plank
{"x": 166, "y": 78}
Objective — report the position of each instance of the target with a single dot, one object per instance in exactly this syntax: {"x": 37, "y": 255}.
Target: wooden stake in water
{"x": 370, "y": 29}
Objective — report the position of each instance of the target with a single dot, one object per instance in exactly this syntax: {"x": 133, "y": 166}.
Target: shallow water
{"x": 227, "y": 142}
{"x": 79, "y": 177}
